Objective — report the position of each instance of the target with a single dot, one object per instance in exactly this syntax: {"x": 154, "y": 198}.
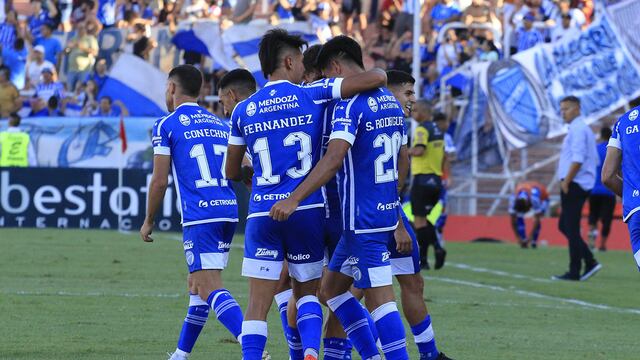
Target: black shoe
{"x": 590, "y": 271}
{"x": 442, "y": 356}
{"x": 602, "y": 249}
{"x": 441, "y": 254}
{"x": 534, "y": 245}
{"x": 424, "y": 264}
{"x": 524, "y": 245}
{"x": 565, "y": 276}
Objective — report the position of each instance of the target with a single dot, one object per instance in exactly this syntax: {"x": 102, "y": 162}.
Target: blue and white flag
{"x": 138, "y": 84}
{"x": 245, "y": 41}
{"x": 203, "y": 37}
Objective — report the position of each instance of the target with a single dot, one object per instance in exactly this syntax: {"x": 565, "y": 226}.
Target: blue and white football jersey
{"x": 281, "y": 125}
{"x": 330, "y": 189}
{"x": 626, "y": 137}
{"x": 373, "y": 123}
{"x": 196, "y": 140}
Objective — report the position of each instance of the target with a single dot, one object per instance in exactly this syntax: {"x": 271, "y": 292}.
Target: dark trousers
{"x": 569, "y": 225}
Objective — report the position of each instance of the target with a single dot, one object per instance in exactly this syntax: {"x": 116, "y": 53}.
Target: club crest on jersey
{"x": 251, "y": 108}
{"x": 633, "y": 115}
{"x": 373, "y": 105}
{"x": 190, "y": 257}
{"x": 184, "y": 120}
{"x": 262, "y": 252}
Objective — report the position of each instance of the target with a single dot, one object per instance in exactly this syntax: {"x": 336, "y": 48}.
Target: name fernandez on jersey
{"x": 373, "y": 123}
{"x": 281, "y": 125}
{"x": 197, "y": 140}
{"x": 626, "y": 137}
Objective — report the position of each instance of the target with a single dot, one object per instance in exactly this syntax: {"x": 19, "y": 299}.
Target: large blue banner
{"x": 90, "y": 142}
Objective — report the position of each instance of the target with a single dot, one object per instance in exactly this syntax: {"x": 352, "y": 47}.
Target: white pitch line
{"x": 85, "y": 294}
{"x": 497, "y": 272}
{"x": 533, "y": 294}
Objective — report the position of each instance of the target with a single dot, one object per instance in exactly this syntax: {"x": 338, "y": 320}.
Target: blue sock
{"x": 536, "y": 233}
{"x": 309, "y": 323}
{"x": 391, "y": 331}
{"x": 423, "y": 335}
{"x": 347, "y": 348}
{"x": 282, "y": 300}
{"x": 194, "y": 322}
{"x": 295, "y": 344}
{"x": 372, "y": 324}
{"x": 334, "y": 348}
{"x": 354, "y": 321}
{"x": 227, "y": 310}
{"x": 520, "y": 226}
{"x": 254, "y": 339}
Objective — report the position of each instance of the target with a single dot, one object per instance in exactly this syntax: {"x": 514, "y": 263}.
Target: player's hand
{"x": 404, "y": 245}
{"x": 281, "y": 210}
{"x": 564, "y": 185}
{"x": 145, "y": 232}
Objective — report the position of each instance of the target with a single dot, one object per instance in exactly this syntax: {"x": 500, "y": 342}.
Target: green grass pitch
{"x": 71, "y": 294}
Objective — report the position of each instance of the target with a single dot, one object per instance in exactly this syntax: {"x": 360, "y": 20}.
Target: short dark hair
{"x": 340, "y": 47}
{"x": 571, "y": 98}
{"x": 189, "y": 78}
{"x": 439, "y": 116}
{"x": 521, "y": 205}
{"x": 108, "y": 98}
{"x": 605, "y": 132}
{"x": 397, "y": 77}
{"x": 15, "y": 118}
{"x": 273, "y": 44}
{"x": 238, "y": 78}
{"x": 310, "y": 58}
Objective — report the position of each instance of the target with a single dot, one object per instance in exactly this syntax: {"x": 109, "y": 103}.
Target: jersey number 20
{"x": 391, "y": 145}
{"x": 261, "y": 147}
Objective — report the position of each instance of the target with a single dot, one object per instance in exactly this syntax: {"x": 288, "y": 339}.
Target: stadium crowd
{"x": 40, "y": 72}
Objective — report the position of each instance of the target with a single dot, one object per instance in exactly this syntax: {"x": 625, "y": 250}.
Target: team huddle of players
{"x": 324, "y": 149}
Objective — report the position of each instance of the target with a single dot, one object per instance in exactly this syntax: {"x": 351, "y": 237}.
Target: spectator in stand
{"x": 444, "y": 12}
{"x": 51, "y": 45}
{"x": 83, "y": 11}
{"x": 564, "y": 29}
{"x": 143, "y": 45}
{"x": 66, "y": 9}
{"x": 84, "y": 97}
{"x": 107, "y": 108}
{"x": 243, "y": 11}
{"x": 8, "y": 30}
{"x": 488, "y": 51}
{"x": 448, "y": 56}
{"x": 404, "y": 19}
{"x": 527, "y": 36}
{"x": 82, "y": 50}
{"x": 477, "y": 13}
{"x": 36, "y": 66}
{"x": 431, "y": 84}
{"x": 99, "y": 74}
{"x": 52, "y": 109}
{"x": 40, "y": 15}
{"x": 602, "y": 201}
{"x": 9, "y": 95}
{"x": 48, "y": 87}
{"x": 15, "y": 59}
{"x": 587, "y": 7}
{"x": 106, "y": 13}
{"x": 578, "y": 19}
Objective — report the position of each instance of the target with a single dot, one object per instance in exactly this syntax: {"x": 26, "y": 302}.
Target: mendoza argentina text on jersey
{"x": 373, "y": 123}
{"x": 281, "y": 125}
{"x": 196, "y": 140}
{"x": 626, "y": 137}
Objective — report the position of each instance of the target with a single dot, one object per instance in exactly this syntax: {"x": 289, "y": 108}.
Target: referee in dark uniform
{"x": 427, "y": 154}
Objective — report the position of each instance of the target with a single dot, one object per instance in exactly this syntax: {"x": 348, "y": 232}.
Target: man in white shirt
{"x": 35, "y": 67}
{"x": 577, "y": 172}
{"x": 564, "y": 29}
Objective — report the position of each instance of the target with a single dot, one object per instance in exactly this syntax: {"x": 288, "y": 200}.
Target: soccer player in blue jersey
{"x": 280, "y": 125}
{"x": 623, "y": 158}
{"x": 406, "y": 267}
{"x": 367, "y": 139}
{"x": 192, "y": 143}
